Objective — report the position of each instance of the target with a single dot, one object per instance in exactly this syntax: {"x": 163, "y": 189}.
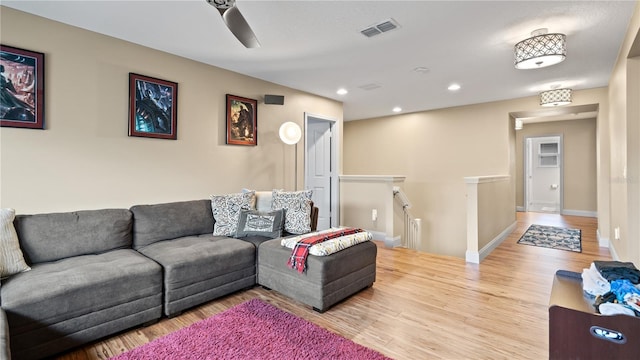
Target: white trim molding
{"x": 602, "y": 241}
{"x": 388, "y": 241}
{"x": 476, "y": 257}
{"x": 583, "y": 213}
{"x": 485, "y": 179}
{"x": 374, "y": 178}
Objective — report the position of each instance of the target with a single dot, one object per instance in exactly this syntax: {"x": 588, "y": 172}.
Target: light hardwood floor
{"x": 424, "y": 306}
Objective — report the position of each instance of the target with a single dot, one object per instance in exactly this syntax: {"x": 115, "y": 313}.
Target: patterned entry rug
{"x": 552, "y": 237}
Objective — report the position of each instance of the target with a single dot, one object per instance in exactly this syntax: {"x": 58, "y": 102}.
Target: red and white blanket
{"x": 298, "y": 259}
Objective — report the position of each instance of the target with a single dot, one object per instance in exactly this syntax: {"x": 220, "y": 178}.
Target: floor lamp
{"x": 290, "y": 134}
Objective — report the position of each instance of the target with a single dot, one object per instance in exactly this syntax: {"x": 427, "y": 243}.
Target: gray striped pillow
{"x": 11, "y": 259}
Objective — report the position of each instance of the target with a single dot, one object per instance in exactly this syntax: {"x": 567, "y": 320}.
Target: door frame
{"x": 335, "y": 162}
{"x": 527, "y": 156}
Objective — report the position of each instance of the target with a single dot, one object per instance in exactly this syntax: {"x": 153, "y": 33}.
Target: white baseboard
{"x": 569, "y": 212}
{"x": 580, "y": 213}
{"x": 602, "y": 241}
{"x": 393, "y": 241}
{"x": 614, "y": 254}
{"x": 472, "y": 257}
{"x": 388, "y": 241}
{"x": 377, "y": 235}
{"x": 476, "y": 257}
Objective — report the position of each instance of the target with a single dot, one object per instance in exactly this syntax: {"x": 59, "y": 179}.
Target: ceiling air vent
{"x": 370, "y": 31}
{"x": 369, "y": 87}
{"x": 379, "y": 28}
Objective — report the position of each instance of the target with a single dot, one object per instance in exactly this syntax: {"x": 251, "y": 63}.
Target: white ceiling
{"x": 316, "y": 46}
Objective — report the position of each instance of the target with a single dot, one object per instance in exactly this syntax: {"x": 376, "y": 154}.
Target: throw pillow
{"x": 297, "y": 210}
{"x": 226, "y": 211}
{"x": 262, "y": 223}
{"x": 263, "y": 199}
{"x": 11, "y": 258}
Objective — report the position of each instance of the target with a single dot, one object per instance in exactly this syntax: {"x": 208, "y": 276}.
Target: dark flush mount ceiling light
{"x": 555, "y": 97}
{"x": 540, "y": 50}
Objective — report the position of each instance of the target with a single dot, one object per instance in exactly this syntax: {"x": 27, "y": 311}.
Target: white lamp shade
{"x": 290, "y": 133}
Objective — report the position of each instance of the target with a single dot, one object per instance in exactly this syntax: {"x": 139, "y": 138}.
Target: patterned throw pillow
{"x": 226, "y": 211}
{"x": 262, "y": 223}
{"x": 11, "y": 258}
{"x": 297, "y": 210}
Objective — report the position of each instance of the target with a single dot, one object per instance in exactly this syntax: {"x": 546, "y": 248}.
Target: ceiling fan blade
{"x": 239, "y": 27}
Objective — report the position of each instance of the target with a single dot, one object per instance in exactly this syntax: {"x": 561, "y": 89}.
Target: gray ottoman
{"x": 328, "y": 279}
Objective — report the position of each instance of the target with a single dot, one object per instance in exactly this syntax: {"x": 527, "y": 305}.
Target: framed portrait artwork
{"x": 242, "y": 121}
{"x": 22, "y": 90}
{"x": 153, "y": 110}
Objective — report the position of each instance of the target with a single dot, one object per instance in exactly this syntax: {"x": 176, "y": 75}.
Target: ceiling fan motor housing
{"x": 222, "y": 4}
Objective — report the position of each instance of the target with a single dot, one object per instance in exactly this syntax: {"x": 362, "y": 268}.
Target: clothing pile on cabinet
{"x": 615, "y": 287}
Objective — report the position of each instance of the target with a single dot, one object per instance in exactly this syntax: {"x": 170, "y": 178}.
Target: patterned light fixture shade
{"x": 556, "y": 97}
{"x": 541, "y": 50}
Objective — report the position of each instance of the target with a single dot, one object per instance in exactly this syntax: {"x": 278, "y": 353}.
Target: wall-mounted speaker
{"x": 274, "y": 99}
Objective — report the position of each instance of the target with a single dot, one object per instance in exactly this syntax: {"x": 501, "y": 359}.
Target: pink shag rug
{"x": 252, "y": 330}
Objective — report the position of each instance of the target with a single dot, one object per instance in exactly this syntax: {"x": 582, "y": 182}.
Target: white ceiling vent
{"x": 369, "y": 87}
{"x": 379, "y": 28}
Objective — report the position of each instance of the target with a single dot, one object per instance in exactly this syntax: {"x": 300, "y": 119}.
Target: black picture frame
{"x": 22, "y": 97}
{"x": 153, "y": 110}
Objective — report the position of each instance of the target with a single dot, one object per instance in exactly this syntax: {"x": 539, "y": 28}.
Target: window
{"x": 548, "y": 154}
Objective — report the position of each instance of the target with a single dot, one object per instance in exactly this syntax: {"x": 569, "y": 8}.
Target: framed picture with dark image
{"x": 22, "y": 90}
{"x": 242, "y": 121}
{"x": 153, "y": 110}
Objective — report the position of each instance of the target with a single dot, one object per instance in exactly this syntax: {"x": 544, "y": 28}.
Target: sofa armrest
{"x": 314, "y": 218}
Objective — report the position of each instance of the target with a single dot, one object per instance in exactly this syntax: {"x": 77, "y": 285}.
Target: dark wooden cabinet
{"x": 577, "y": 331}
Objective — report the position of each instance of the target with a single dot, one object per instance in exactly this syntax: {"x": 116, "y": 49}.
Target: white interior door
{"x": 543, "y": 174}
{"x": 319, "y": 169}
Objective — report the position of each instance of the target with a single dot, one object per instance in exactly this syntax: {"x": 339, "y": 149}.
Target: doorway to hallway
{"x": 543, "y": 174}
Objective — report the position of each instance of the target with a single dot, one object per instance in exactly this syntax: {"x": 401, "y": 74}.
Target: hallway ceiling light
{"x": 454, "y": 87}
{"x": 397, "y": 109}
{"x": 540, "y": 50}
{"x": 342, "y": 91}
{"x": 555, "y": 97}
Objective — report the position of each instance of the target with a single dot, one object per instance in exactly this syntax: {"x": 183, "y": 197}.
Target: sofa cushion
{"x": 55, "y": 236}
{"x": 297, "y": 210}
{"x": 69, "y": 288}
{"x": 262, "y": 223}
{"x": 200, "y": 268}
{"x": 226, "y": 211}
{"x": 167, "y": 221}
{"x": 11, "y": 258}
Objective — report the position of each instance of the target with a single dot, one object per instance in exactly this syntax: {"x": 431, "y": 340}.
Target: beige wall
{"x": 435, "y": 150}
{"x": 624, "y": 131}
{"x": 85, "y": 160}
{"x": 579, "y": 160}
{"x": 493, "y": 220}
{"x": 359, "y": 195}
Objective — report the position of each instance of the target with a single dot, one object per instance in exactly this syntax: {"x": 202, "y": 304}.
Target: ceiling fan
{"x": 236, "y": 22}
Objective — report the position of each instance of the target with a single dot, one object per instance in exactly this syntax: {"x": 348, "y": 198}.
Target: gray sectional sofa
{"x": 98, "y": 272}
